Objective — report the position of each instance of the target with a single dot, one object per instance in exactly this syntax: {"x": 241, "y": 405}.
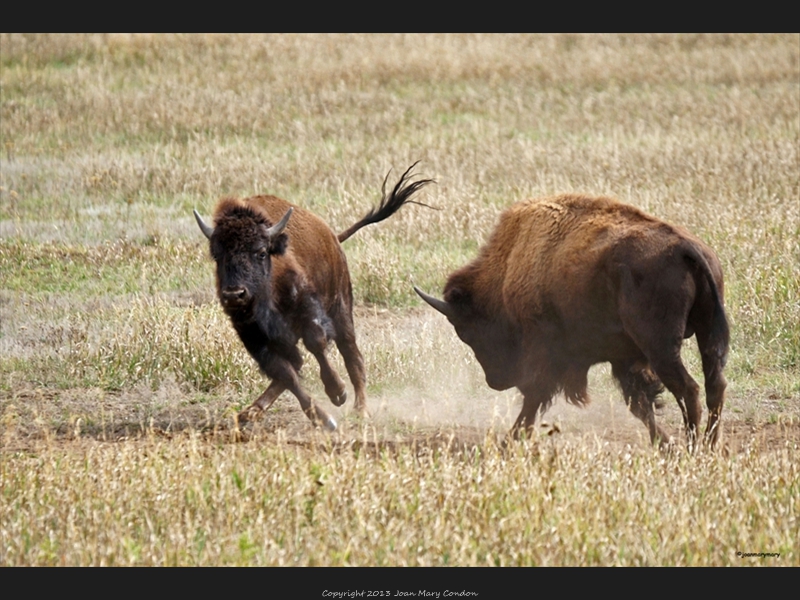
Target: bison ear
{"x": 458, "y": 297}
{"x": 277, "y": 245}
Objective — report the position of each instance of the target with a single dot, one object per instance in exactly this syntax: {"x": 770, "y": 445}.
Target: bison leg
{"x": 667, "y": 365}
{"x": 532, "y": 402}
{"x": 262, "y": 403}
{"x": 654, "y": 314}
{"x": 354, "y": 361}
{"x": 265, "y": 400}
{"x": 686, "y": 392}
{"x": 641, "y": 388}
{"x": 315, "y": 339}
{"x": 281, "y": 371}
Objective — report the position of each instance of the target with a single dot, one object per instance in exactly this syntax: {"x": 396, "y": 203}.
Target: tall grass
{"x": 118, "y": 137}
{"x": 195, "y": 504}
{"x": 107, "y": 142}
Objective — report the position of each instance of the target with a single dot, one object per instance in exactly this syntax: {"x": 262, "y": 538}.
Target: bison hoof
{"x": 329, "y": 423}
{"x": 666, "y": 444}
{"x": 339, "y": 399}
{"x": 248, "y": 415}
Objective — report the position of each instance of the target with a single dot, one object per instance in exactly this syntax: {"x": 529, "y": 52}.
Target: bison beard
{"x": 571, "y": 281}
{"x": 282, "y": 277}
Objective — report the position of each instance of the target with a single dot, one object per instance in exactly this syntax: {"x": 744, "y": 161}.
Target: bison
{"x": 570, "y": 281}
{"x": 282, "y": 277}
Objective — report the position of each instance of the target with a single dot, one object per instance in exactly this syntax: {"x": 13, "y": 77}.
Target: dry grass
{"x": 420, "y": 505}
{"x": 109, "y": 329}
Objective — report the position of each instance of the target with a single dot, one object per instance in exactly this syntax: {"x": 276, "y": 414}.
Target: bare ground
{"x": 445, "y": 413}
{"x": 32, "y": 415}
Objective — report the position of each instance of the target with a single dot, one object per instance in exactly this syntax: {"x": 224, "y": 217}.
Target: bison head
{"x": 494, "y": 341}
{"x": 242, "y": 243}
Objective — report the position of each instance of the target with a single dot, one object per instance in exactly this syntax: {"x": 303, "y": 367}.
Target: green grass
{"x": 112, "y": 269}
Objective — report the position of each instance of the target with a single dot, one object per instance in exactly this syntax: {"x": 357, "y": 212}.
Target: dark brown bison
{"x": 282, "y": 277}
{"x": 571, "y": 281}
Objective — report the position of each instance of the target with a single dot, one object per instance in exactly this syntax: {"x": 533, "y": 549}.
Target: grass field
{"x": 117, "y": 365}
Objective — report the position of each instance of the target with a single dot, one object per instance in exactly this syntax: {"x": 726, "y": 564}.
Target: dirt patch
{"x": 30, "y": 415}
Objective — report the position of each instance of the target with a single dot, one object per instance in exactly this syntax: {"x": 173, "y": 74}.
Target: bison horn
{"x": 207, "y": 231}
{"x": 278, "y": 228}
{"x": 440, "y": 305}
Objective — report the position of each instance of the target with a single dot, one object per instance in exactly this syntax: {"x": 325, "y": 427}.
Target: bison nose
{"x": 234, "y": 296}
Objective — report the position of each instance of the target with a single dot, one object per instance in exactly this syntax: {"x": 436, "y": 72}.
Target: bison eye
{"x": 262, "y": 254}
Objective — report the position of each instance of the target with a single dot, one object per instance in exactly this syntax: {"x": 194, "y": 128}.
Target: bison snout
{"x": 234, "y": 296}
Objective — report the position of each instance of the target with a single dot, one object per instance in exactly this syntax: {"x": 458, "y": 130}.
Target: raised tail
{"x": 400, "y": 195}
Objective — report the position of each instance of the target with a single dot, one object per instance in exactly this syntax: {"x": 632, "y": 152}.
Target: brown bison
{"x": 571, "y": 281}
{"x": 282, "y": 277}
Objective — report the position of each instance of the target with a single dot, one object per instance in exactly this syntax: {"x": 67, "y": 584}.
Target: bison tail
{"x": 720, "y": 331}
{"x": 390, "y": 204}
{"x": 718, "y": 338}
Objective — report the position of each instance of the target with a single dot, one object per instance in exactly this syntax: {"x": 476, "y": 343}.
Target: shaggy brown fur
{"x": 282, "y": 277}
{"x": 571, "y": 281}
